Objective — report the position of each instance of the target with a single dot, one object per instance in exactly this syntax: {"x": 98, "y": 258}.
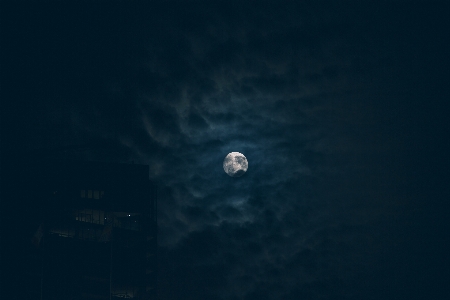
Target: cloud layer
{"x": 311, "y": 93}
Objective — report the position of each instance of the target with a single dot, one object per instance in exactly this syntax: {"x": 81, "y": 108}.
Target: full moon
{"x": 235, "y": 164}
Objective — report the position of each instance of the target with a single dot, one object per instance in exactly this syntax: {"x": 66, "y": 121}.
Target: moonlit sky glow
{"x": 338, "y": 107}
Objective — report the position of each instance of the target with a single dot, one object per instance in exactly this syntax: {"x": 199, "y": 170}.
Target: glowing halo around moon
{"x": 235, "y": 164}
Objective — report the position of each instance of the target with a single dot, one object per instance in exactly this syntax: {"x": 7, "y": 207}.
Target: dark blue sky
{"x": 340, "y": 109}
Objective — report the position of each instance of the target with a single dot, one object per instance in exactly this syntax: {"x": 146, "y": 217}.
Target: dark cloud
{"x": 322, "y": 98}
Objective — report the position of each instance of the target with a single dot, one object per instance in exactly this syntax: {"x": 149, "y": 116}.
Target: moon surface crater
{"x": 235, "y": 164}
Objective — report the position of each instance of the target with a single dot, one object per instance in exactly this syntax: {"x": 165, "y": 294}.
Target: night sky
{"x": 340, "y": 109}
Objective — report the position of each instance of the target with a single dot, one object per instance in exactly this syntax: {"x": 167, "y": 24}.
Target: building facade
{"x": 95, "y": 233}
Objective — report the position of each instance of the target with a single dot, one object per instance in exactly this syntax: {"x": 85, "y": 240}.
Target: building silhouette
{"x": 86, "y": 230}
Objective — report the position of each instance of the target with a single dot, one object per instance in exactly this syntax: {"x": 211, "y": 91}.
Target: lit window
{"x": 83, "y": 194}
{"x": 89, "y": 193}
{"x": 96, "y": 194}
